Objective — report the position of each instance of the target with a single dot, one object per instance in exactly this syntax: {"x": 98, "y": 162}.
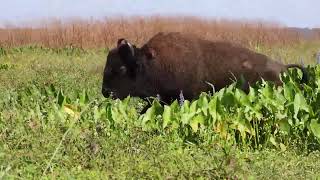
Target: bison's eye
{"x": 123, "y": 70}
{"x": 112, "y": 71}
{"x": 119, "y": 71}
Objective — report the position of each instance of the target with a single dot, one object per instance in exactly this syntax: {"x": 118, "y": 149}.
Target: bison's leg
{"x": 243, "y": 84}
{"x": 245, "y": 87}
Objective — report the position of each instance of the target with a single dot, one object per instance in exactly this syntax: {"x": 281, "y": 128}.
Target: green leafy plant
{"x": 266, "y": 116}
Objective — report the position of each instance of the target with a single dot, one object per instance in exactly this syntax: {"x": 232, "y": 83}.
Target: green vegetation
{"x": 54, "y": 123}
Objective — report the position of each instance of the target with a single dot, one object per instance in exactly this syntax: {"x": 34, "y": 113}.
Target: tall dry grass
{"x": 104, "y": 33}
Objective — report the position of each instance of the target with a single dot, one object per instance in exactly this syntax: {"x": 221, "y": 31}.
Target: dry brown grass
{"x": 104, "y": 33}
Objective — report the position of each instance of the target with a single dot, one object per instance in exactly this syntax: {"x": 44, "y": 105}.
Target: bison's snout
{"x": 107, "y": 92}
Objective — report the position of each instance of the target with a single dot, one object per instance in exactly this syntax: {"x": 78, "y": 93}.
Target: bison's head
{"x": 124, "y": 72}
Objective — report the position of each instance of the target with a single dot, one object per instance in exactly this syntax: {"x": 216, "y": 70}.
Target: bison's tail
{"x": 305, "y": 76}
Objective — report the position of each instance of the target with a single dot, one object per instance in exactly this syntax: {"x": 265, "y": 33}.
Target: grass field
{"x": 55, "y": 123}
{"x": 104, "y": 33}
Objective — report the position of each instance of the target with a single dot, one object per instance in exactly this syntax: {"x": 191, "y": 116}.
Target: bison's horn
{"x": 125, "y": 42}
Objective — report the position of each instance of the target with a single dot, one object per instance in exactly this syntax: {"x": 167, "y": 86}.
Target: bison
{"x": 173, "y": 62}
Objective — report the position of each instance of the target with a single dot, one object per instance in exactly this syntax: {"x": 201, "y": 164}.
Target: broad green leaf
{"x": 114, "y": 114}
{"x": 71, "y": 111}
{"x": 318, "y": 83}
{"x": 196, "y": 121}
{"x": 273, "y": 141}
{"x": 109, "y": 112}
{"x": 185, "y": 107}
{"x": 284, "y": 126}
{"x": 213, "y": 108}
{"x": 252, "y": 96}
{"x": 96, "y": 113}
{"x": 283, "y": 147}
{"x": 300, "y": 104}
{"x": 278, "y": 101}
{"x": 242, "y": 124}
{"x": 122, "y": 109}
{"x": 84, "y": 98}
{"x": 315, "y": 127}
{"x": 289, "y": 91}
{"x": 257, "y": 110}
{"x": 185, "y": 118}
{"x": 125, "y": 102}
{"x": 175, "y": 106}
{"x": 230, "y": 88}
{"x": 193, "y": 107}
{"x": 222, "y": 128}
{"x": 203, "y": 104}
{"x": 166, "y": 116}
{"x": 203, "y": 100}
{"x": 61, "y": 99}
{"x": 149, "y": 115}
{"x": 155, "y": 110}
{"x": 228, "y": 100}
{"x": 267, "y": 91}
{"x": 242, "y": 98}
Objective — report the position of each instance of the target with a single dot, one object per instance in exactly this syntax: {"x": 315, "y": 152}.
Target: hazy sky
{"x": 300, "y": 13}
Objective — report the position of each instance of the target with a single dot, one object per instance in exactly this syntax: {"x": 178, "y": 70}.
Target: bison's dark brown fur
{"x": 171, "y": 62}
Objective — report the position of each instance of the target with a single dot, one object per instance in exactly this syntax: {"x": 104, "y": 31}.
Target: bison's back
{"x": 185, "y": 62}
{"x": 178, "y": 63}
